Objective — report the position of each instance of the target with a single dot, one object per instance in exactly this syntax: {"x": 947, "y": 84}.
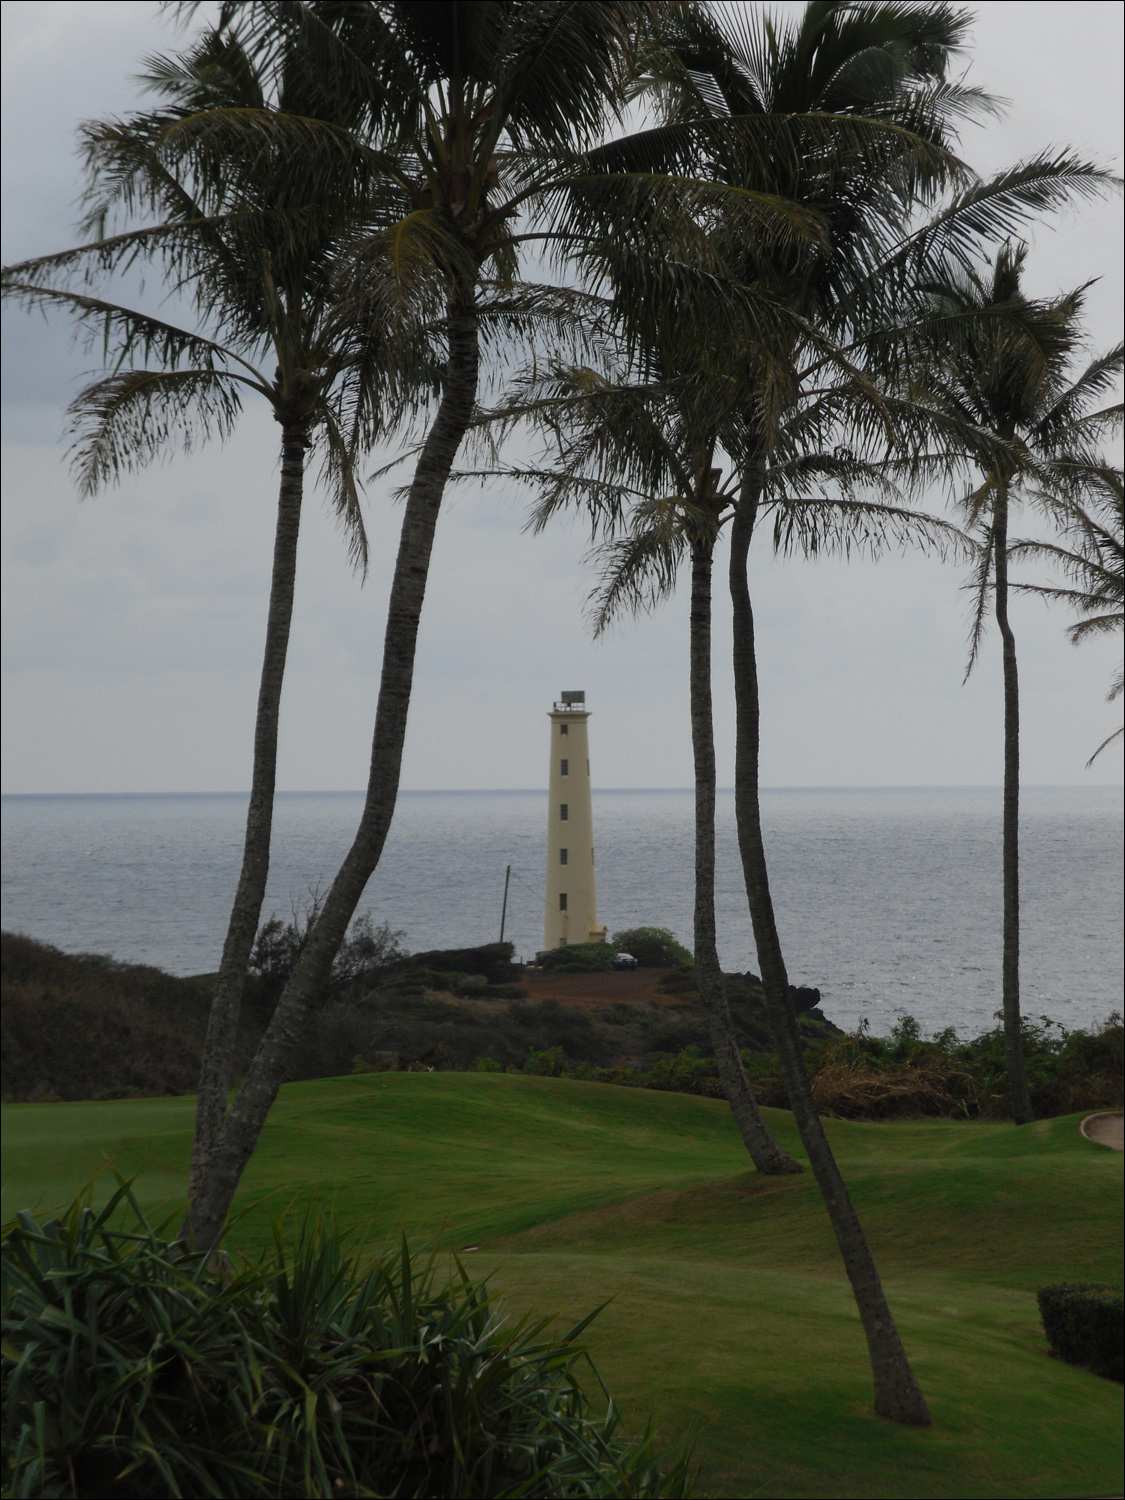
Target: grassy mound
{"x": 727, "y": 1306}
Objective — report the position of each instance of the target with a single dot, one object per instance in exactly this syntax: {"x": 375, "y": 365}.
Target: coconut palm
{"x": 636, "y": 459}
{"x": 860, "y": 67}
{"x": 1090, "y": 554}
{"x": 1002, "y": 364}
{"x": 249, "y": 209}
{"x": 478, "y": 113}
{"x": 863, "y": 89}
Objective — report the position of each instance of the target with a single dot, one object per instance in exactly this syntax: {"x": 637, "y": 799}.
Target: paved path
{"x": 1106, "y": 1130}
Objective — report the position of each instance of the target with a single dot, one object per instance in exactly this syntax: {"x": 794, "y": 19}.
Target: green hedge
{"x": 579, "y": 958}
{"x": 493, "y": 960}
{"x": 134, "y": 1367}
{"x": 653, "y": 947}
{"x": 1085, "y": 1325}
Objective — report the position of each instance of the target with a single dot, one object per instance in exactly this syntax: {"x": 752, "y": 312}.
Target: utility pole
{"x": 504, "y": 908}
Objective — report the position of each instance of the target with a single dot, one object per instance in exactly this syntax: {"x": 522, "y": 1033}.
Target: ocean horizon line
{"x": 529, "y": 791}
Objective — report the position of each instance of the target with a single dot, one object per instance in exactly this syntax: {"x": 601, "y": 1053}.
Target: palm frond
{"x": 123, "y": 422}
{"x": 124, "y": 333}
{"x": 1117, "y": 733}
{"x": 339, "y": 473}
{"x": 638, "y": 571}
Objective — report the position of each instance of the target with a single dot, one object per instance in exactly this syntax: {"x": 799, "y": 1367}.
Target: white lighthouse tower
{"x": 572, "y": 910}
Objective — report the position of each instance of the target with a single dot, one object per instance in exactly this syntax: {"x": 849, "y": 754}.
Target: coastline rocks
{"x": 801, "y": 996}
{"x": 804, "y": 999}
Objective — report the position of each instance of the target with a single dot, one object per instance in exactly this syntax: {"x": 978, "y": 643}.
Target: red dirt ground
{"x": 596, "y": 991}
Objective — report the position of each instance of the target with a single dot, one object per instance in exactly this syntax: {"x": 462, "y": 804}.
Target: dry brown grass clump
{"x": 845, "y": 1089}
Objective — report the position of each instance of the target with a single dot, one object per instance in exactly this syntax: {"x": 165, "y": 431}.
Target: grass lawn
{"x": 727, "y": 1307}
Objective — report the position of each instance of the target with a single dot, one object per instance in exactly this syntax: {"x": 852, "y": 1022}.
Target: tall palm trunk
{"x": 219, "y": 1176}
{"x": 226, "y": 1003}
{"x": 1018, "y": 1096}
{"x": 764, "y": 1151}
{"x": 897, "y": 1393}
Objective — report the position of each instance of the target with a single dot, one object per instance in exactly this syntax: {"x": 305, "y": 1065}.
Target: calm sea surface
{"x": 887, "y": 900}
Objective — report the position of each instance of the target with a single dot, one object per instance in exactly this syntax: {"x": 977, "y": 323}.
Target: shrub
{"x": 548, "y": 1064}
{"x": 493, "y": 960}
{"x": 653, "y": 947}
{"x": 365, "y": 952}
{"x": 80, "y": 1026}
{"x": 1085, "y": 1325}
{"x": 680, "y": 982}
{"x": 133, "y": 1367}
{"x": 579, "y": 958}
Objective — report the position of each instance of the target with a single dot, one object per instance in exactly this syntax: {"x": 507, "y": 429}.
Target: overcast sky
{"x": 133, "y": 622}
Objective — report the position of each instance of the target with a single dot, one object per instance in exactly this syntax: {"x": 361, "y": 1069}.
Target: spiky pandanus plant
{"x": 1002, "y": 365}
{"x": 251, "y": 190}
{"x": 1090, "y": 554}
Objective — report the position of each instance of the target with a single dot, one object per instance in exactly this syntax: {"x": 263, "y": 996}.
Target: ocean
{"x": 888, "y": 900}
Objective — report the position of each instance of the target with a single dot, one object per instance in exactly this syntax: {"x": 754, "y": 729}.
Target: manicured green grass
{"x": 728, "y": 1309}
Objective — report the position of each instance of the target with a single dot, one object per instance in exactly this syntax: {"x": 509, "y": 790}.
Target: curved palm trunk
{"x": 1018, "y": 1095}
{"x": 226, "y": 1003}
{"x": 216, "y": 1186}
{"x": 764, "y": 1151}
{"x": 897, "y": 1393}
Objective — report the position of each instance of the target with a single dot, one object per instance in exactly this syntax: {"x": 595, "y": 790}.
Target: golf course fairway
{"x": 727, "y": 1310}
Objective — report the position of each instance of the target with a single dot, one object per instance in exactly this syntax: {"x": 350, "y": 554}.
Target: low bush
{"x": 133, "y": 1367}
{"x": 83, "y": 1026}
{"x": 652, "y": 947}
{"x": 579, "y": 958}
{"x": 547, "y": 1064}
{"x": 680, "y": 982}
{"x": 88, "y": 1027}
{"x": 847, "y": 1090}
{"x": 493, "y": 960}
{"x": 868, "y": 1077}
{"x": 366, "y": 952}
{"x": 1085, "y": 1325}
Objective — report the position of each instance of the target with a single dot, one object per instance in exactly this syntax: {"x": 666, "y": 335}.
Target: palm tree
{"x": 1001, "y": 364}
{"x": 251, "y": 211}
{"x": 867, "y": 71}
{"x": 855, "y": 102}
{"x": 477, "y": 113}
{"x": 637, "y": 455}
{"x": 1090, "y": 553}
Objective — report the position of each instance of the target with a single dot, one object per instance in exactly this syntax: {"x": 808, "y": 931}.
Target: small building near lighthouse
{"x": 572, "y": 909}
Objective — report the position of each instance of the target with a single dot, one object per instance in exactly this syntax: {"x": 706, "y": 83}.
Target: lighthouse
{"x": 572, "y": 911}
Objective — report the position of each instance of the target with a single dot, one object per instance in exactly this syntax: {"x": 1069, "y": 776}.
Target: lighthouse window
{"x": 564, "y": 767}
{"x": 562, "y": 856}
{"x": 562, "y": 901}
{"x": 564, "y": 728}
{"x": 564, "y": 812}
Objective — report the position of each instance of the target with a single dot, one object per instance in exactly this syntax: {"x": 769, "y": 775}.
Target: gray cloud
{"x": 133, "y": 622}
